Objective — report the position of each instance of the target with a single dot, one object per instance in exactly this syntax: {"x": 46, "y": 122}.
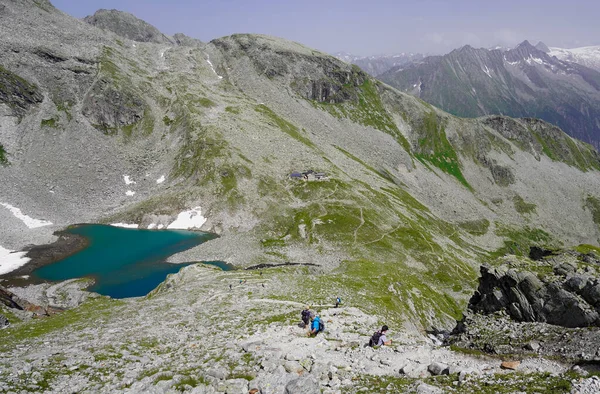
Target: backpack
{"x": 305, "y": 314}
{"x": 321, "y": 326}
{"x": 375, "y": 339}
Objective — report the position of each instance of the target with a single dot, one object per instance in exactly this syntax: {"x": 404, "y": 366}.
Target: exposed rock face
{"x": 571, "y": 301}
{"x": 11, "y": 300}
{"x": 315, "y": 76}
{"x": 17, "y": 93}
{"x": 109, "y": 108}
{"x": 126, "y": 25}
{"x": 182, "y": 39}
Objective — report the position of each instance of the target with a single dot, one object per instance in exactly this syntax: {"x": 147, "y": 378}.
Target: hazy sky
{"x": 370, "y": 27}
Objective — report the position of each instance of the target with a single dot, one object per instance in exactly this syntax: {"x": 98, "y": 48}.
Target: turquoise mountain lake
{"x": 124, "y": 262}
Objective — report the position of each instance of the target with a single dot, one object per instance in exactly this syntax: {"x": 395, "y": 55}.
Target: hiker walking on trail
{"x": 338, "y": 301}
{"x": 316, "y": 327}
{"x": 379, "y": 338}
{"x": 306, "y": 316}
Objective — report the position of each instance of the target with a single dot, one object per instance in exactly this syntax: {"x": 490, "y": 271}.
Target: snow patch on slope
{"x": 188, "y": 219}
{"x": 124, "y": 225}
{"x": 11, "y": 260}
{"x": 486, "y": 70}
{"x": 212, "y": 67}
{"x": 128, "y": 180}
{"x": 29, "y": 221}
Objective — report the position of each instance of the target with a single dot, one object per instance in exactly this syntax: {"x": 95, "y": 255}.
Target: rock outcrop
{"x": 548, "y": 306}
{"x": 3, "y": 321}
{"x": 11, "y": 300}
{"x": 17, "y": 93}
{"x": 128, "y": 26}
{"x": 109, "y": 107}
{"x": 568, "y": 298}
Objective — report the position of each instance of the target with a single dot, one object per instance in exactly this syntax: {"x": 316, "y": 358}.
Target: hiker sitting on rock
{"x": 316, "y": 326}
{"x": 306, "y": 316}
{"x": 379, "y": 338}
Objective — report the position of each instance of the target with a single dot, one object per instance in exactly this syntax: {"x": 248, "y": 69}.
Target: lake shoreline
{"x": 66, "y": 245}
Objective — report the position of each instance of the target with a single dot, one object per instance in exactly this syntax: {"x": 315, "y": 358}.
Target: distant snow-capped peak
{"x": 586, "y": 56}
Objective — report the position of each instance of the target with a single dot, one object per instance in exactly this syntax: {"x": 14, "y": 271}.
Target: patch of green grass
{"x": 168, "y": 121}
{"x": 148, "y": 121}
{"x": 73, "y": 319}
{"x": 366, "y": 109}
{"x": 66, "y": 108}
{"x": 381, "y": 384}
{"x": 583, "y": 248}
{"x": 434, "y": 147}
{"x": 108, "y": 66}
{"x": 191, "y": 381}
{"x": 475, "y": 227}
{"x": 268, "y": 243}
{"x": 284, "y": 125}
{"x": 52, "y": 122}
{"x": 521, "y": 206}
{"x": 518, "y": 241}
{"x": 593, "y": 204}
{"x": 233, "y": 110}
{"x": 3, "y": 155}
{"x": 564, "y": 149}
{"x": 286, "y": 318}
{"x": 205, "y": 102}
{"x": 196, "y": 158}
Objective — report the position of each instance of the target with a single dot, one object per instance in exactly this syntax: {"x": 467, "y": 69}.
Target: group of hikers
{"x": 314, "y": 325}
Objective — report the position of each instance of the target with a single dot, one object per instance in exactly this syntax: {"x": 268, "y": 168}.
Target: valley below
{"x": 474, "y": 240}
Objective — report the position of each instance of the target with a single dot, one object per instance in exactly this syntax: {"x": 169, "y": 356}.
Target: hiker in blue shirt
{"x": 316, "y": 326}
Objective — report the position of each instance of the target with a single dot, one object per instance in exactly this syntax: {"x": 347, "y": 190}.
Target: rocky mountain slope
{"x": 378, "y": 64}
{"x": 410, "y": 188}
{"x": 97, "y": 127}
{"x": 521, "y": 82}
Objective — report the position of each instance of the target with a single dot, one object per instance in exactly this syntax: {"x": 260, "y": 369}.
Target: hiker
{"x": 306, "y": 316}
{"x": 379, "y": 338}
{"x": 230, "y": 287}
{"x": 316, "y": 327}
{"x": 338, "y": 301}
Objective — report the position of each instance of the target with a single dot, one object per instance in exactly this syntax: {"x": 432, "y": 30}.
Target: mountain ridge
{"x": 378, "y": 64}
{"x": 521, "y": 82}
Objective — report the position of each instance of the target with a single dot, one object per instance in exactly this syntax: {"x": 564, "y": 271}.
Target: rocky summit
{"x": 333, "y": 183}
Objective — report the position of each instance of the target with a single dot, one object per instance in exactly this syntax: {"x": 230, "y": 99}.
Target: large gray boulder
{"x": 303, "y": 385}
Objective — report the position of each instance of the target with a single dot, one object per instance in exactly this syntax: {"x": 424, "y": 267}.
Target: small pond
{"x": 124, "y": 262}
